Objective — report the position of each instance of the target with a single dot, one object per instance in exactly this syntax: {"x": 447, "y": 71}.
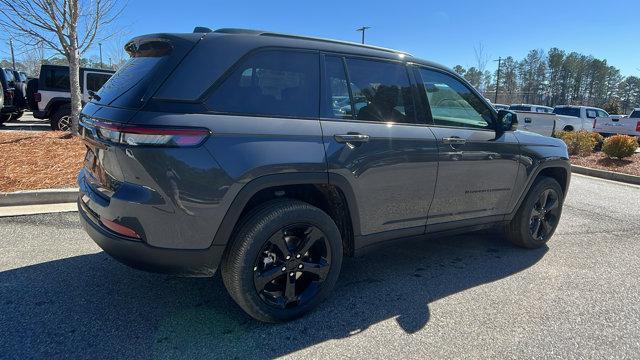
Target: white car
{"x": 576, "y": 118}
{"x": 531, "y": 108}
{"x": 536, "y": 118}
{"x": 624, "y": 125}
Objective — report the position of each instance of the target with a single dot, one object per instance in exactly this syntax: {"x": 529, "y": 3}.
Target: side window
{"x": 57, "y": 79}
{"x": 381, "y": 91}
{"x": 602, "y": 113}
{"x": 275, "y": 82}
{"x": 337, "y": 102}
{"x": 96, "y": 80}
{"x": 591, "y": 113}
{"x": 452, "y": 103}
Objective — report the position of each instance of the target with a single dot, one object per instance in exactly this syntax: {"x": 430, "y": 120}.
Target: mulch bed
{"x": 599, "y": 160}
{"x": 32, "y": 160}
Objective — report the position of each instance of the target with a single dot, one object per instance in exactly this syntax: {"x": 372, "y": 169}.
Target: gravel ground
{"x": 599, "y": 160}
{"x": 32, "y": 157}
{"x": 471, "y": 296}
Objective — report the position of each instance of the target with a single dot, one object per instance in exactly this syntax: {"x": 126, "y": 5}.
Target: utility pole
{"x": 363, "y": 29}
{"x": 495, "y": 101}
{"x": 101, "y": 66}
{"x": 110, "y": 64}
{"x": 13, "y": 59}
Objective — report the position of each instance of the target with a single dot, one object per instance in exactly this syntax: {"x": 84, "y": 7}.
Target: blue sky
{"x": 442, "y": 31}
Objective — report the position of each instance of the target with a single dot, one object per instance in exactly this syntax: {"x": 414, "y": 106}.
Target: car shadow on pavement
{"x": 91, "y": 306}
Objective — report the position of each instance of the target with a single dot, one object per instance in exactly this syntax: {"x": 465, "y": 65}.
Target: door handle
{"x": 351, "y": 138}
{"x": 454, "y": 140}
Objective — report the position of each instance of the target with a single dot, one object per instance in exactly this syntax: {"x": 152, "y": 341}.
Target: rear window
{"x": 276, "y": 83}
{"x": 129, "y": 75}
{"x": 9, "y": 75}
{"x": 56, "y": 79}
{"x": 96, "y": 80}
{"x": 520, "y": 108}
{"x": 567, "y": 111}
{"x": 127, "y": 87}
{"x": 635, "y": 114}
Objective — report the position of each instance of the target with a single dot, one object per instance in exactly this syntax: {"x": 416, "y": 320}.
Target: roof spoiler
{"x": 202, "y": 29}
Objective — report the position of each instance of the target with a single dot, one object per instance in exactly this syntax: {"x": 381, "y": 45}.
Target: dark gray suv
{"x": 272, "y": 156}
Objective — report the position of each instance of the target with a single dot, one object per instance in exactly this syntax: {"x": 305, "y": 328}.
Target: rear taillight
{"x": 135, "y": 135}
{"x": 37, "y": 97}
{"x": 638, "y": 126}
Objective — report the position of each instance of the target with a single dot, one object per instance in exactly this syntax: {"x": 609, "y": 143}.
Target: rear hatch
{"x": 152, "y": 59}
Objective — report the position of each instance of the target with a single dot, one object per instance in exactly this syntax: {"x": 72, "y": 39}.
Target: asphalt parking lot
{"x": 472, "y": 296}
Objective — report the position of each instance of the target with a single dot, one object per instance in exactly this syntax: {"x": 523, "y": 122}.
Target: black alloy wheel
{"x": 283, "y": 260}
{"x": 544, "y": 215}
{"x": 538, "y": 216}
{"x": 292, "y": 265}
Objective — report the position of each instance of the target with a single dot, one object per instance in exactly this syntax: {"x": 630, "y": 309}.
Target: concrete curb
{"x": 38, "y": 197}
{"x": 605, "y": 174}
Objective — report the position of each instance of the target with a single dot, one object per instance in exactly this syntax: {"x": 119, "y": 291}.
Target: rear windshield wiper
{"x": 93, "y": 95}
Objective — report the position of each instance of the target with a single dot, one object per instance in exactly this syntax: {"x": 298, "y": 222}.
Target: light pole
{"x": 495, "y": 100}
{"x": 100, "y": 45}
{"x": 13, "y": 59}
{"x": 363, "y": 29}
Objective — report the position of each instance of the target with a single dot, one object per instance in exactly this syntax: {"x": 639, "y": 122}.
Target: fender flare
{"x": 55, "y": 103}
{"x": 232, "y": 216}
{"x": 548, "y": 163}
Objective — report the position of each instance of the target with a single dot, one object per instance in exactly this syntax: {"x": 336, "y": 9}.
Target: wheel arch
{"x": 55, "y": 104}
{"x": 557, "y": 169}
{"x": 335, "y": 197}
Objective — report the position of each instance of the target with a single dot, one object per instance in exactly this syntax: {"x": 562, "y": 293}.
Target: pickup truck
{"x": 535, "y": 118}
{"x": 575, "y": 118}
{"x": 626, "y": 125}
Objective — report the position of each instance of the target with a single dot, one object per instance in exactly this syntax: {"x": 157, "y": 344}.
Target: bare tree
{"x": 68, "y": 27}
{"x": 117, "y": 55}
{"x": 482, "y": 58}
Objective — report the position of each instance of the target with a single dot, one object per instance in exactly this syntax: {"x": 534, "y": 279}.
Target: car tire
{"x": 257, "y": 272}
{"x": 61, "y": 119}
{"x": 538, "y": 216}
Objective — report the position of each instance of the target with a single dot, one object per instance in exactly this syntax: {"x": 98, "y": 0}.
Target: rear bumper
{"x": 139, "y": 255}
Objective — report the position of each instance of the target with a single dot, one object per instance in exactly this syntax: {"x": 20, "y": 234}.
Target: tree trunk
{"x": 74, "y": 78}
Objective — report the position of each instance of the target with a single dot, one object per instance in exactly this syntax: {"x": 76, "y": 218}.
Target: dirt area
{"x": 599, "y": 160}
{"x": 39, "y": 160}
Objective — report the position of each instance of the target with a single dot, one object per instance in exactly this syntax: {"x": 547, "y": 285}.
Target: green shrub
{"x": 578, "y": 142}
{"x": 620, "y": 146}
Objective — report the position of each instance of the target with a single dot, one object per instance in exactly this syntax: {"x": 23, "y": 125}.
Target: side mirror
{"x": 507, "y": 121}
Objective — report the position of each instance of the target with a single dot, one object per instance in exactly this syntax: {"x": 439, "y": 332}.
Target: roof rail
{"x": 274, "y": 34}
